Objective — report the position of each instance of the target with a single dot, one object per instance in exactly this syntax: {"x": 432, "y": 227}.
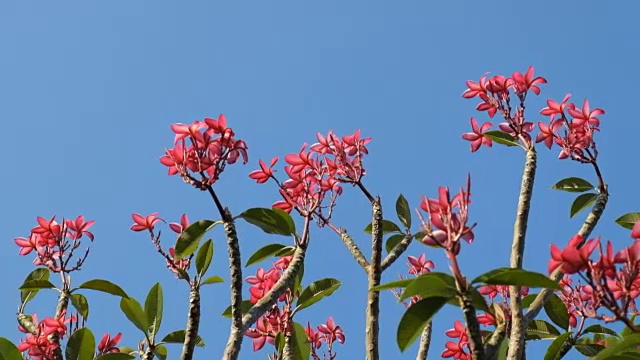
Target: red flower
{"x": 547, "y": 134}
{"x": 554, "y": 109}
{"x": 419, "y": 265}
{"x": 265, "y": 173}
{"x": 585, "y": 115}
{"x": 109, "y": 344}
{"x": 635, "y": 232}
{"x": 144, "y": 223}
{"x": 477, "y": 137}
{"x": 178, "y": 228}
{"x": 526, "y": 82}
{"x": 80, "y": 227}
{"x": 332, "y": 331}
{"x": 572, "y": 260}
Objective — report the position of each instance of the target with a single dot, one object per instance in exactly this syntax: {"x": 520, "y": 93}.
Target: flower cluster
{"x": 54, "y": 243}
{"x": 417, "y": 266}
{"x": 318, "y": 171}
{"x": 147, "y": 223}
{"x": 39, "y": 346}
{"x": 278, "y": 320}
{"x": 210, "y": 147}
{"x": 447, "y": 220}
{"x": 459, "y": 349}
{"x": 611, "y": 282}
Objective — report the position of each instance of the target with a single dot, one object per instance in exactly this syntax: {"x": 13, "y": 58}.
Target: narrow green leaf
{"x": 556, "y": 345}
{"x": 403, "y": 211}
{"x": 189, "y": 239}
{"x": 316, "y": 291}
{"x": 177, "y": 337}
{"x": 589, "y": 349}
{"x": 626, "y": 343}
{"x": 269, "y": 221}
{"x": 286, "y": 251}
{"x": 432, "y": 284}
{"x": 37, "y": 285}
{"x": 301, "y": 345}
{"x": 81, "y": 304}
{"x": 245, "y": 306}
{"x": 393, "y": 241}
{"x": 599, "y": 329}
{"x": 397, "y": 284}
{"x": 265, "y": 252}
{"x": 212, "y": 280}
{"x": 387, "y": 227}
{"x": 416, "y": 318}
{"x": 8, "y": 351}
{"x": 153, "y": 307}
{"x": 115, "y": 356}
{"x": 203, "y": 258}
{"x": 279, "y": 342}
{"x": 527, "y": 300}
{"x": 582, "y": 202}
{"x": 128, "y": 350}
{"x": 518, "y": 277}
{"x": 287, "y": 217}
{"x": 161, "y": 352}
{"x": 557, "y": 312}
{"x": 81, "y": 345}
{"x": 37, "y": 274}
{"x": 573, "y": 184}
{"x": 134, "y": 312}
{"x": 628, "y": 220}
{"x": 540, "y": 329}
{"x": 502, "y": 137}
{"x": 104, "y": 286}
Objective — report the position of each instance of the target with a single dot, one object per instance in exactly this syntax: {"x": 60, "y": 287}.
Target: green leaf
{"x": 190, "y": 237}
{"x": 37, "y": 274}
{"x": 626, "y": 343}
{"x": 518, "y": 277}
{"x": 37, "y": 285}
{"x": 81, "y": 345}
{"x": 104, "y": 286}
{"x": 269, "y": 220}
{"x": 573, "y": 184}
{"x": 557, "y": 311}
{"x": 527, "y": 300}
{"x": 433, "y": 284}
{"x": 582, "y": 202}
{"x": 599, "y": 329}
{"x": 134, "y": 312}
{"x": 286, "y": 251}
{"x": 419, "y": 235}
{"x": 556, "y": 345}
{"x": 116, "y": 356}
{"x": 264, "y": 252}
{"x": 393, "y": 241}
{"x": 153, "y": 307}
{"x": 285, "y": 215}
{"x": 128, "y": 350}
{"x": 589, "y": 349}
{"x": 203, "y": 258}
{"x": 316, "y": 291}
{"x": 8, "y": 351}
{"x": 279, "y": 342}
{"x": 161, "y": 352}
{"x": 416, "y": 318}
{"x": 403, "y": 211}
{"x": 397, "y": 284}
{"x": 301, "y": 345}
{"x": 245, "y": 306}
{"x": 628, "y": 220}
{"x": 387, "y": 227}
{"x": 177, "y": 337}
{"x": 540, "y": 329}
{"x": 81, "y": 304}
{"x": 212, "y": 280}
{"x": 502, "y": 137}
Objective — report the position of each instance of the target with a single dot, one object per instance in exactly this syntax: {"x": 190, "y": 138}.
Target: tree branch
{"x": 374, "y": 274}
{"x": 425, "y": 341}
{"x": 354, "y": 249}
{"x": 236, "y": 334}
{"x": 518, "y": 326}
{"x": 193, "y": 323}
{"x": 395, "y": 253}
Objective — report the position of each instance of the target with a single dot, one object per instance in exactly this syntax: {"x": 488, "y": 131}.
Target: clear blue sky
{"x": 89, "y": 90}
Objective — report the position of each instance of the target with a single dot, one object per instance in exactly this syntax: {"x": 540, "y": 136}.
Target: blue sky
{"x": 89, "y": 90}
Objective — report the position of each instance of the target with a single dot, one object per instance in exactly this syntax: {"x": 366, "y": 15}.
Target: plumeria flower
{"x": 476, "y": 137}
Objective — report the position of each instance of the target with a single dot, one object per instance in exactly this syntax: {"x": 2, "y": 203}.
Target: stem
{"x": 494, "y": 342}
{"x": 236, "y": 334}
{"x": 63, "y": 303}
{"x": 193, "y": 323}
{"x": 395, "y": 253}
{"x": 425, "y": 341}
{"x": 149, "y": 353}
{"x": 518, "y": 325}
{"x": 354, "y": 249}
{"x": 285, "y": 282}
{"x": 287, "y": 352}
{"x": 26, "y": 323}
{"x": 587, "y": 227}
{"x": 374, "y": 274}
{"x": 473, "y": 327}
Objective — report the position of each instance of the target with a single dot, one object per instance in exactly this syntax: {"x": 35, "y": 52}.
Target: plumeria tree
{"x": 588, "y": 284}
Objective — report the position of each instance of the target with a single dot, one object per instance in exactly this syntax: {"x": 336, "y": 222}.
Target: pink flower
{"x": 476, "y": 137}
{"x": 80, "y": 227}
{"x": 635, "y": 232}
{"x": 571, "y": 259}
{"x": 526, "y": 82}
{"x": 178, "y": 228}
{"x": 109, "y": 344}
{"x": 585, "y": 115}
{"x": 265, "y": 173}
{"x": 419, "y": 265}
{"x": 547, "y": 134}
{"x": 332, "y": 331}
{"x": 144, "y": 223}
{"x": 554, "y": 109}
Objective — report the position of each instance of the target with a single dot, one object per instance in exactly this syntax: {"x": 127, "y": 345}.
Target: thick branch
{"x": 518, "y": 326}
{"x": 236, "y": 334}
{"x": 425, "y": 341}
{"x": 285, "y": 282}
{"x": 61, "y": 307}
{"x": 287, "y": 352}
{"x": 193, "y": 323}
{"x": 26, "y": 322}
{"x": 587, "y": 227}
{"x": 354, "y": 249}
{"x": 473, "y": 327}
{"x": 395, "y": 253}
{"x": 374, "y": 273}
